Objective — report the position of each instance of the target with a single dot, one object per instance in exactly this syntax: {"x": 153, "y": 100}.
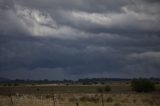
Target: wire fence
{"x": 49, "y": 102}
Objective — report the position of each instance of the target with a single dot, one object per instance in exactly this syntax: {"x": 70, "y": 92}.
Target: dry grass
{"x": 83, "y": 100}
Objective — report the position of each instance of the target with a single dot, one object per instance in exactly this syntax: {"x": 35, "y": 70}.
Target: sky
{"x": 71, "y": 39}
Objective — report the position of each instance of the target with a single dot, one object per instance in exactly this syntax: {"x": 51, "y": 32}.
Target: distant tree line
{"x": 85, "y": 81}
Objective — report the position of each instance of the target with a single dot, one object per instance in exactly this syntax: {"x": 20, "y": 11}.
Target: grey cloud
{"x": 81, "y": 5}
{"x": 6, "y": 4}
{"x": 130, "y": 20}
{"x": 85, "y": 38}
{"x": 152, "y": 1}
{"x": 149, "y": 56}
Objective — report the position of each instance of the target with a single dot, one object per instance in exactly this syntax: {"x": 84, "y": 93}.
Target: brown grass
{"x": 83, "y": 100}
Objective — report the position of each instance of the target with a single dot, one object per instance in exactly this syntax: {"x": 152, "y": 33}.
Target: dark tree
{"x": 142, "y": 85}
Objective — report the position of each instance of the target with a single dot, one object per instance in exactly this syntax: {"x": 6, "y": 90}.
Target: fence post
{"x": 102, "y": 98}
{"x": 11, "y": 100}
{"x": 54, "y": 102}
{"x": 10, "y": 95}
{"x": 77, "y": 104}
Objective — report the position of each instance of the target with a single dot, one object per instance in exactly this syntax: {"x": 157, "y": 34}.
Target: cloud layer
{"x": 79, "y": 38}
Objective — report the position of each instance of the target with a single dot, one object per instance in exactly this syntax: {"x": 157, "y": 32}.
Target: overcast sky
{"x": 70, "y": 39}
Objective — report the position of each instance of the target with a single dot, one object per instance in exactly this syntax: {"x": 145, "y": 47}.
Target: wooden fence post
{"x": 11, "y": 100}
{"x": 77, "y": 104}
{"x": 10, "y": 95}
{"x": 54, "y": 101}
{"x": 102, "y": 98}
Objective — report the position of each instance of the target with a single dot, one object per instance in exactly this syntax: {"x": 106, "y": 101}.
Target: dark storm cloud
{"x": 79, "y": 38}
{"x": 153, "y": 1}
{"x": 81, "y": 5}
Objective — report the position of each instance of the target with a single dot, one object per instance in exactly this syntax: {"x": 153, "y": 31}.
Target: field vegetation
{"x": 115, "y": 94}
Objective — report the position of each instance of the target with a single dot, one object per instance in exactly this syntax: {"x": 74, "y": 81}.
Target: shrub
{"x": 100, "y": 90}
{"x": 104, "y": 89}
{"x": 49, "y": 96}
{"x": 102, "y": 83}
{"x": 95, "y": 83}
{"x": 117, "y": 104}
{"x": 9, "y": 84}
{"x": 38, "y": 89}
{"x": 142, "y": 85}
{"x": 73, "y": 99}
{"x": 16, "y": 84}
{"x": 89, "y": 99}
{"x": 134, "y": 100}
{"x": 107, "y": 88}
{"x": 109, "y": 99}
{"x": 67, "y": 84}
{"x": 4, "y": 84}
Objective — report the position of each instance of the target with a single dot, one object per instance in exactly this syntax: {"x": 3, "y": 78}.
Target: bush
{"x": 49, "y": 96}
{"x": 9, "y": 84}
{"x": 142, "y": 85}
{"x": 104, "y": 89}
{"x": 109, "y": 99}
{"x": 107, "y": 88}
{"x": 100, "y": 90}
{"x": 94, "y": 99}
{"x": 83, "y": 98}
{"x": 117, "y": 104}
{"x": 73, "y": 99}
{"x": 4, "y": 84}
{"x": 102, "y": 83}
{"x": 16, "y": 84}
{"x": 38, "y": 89}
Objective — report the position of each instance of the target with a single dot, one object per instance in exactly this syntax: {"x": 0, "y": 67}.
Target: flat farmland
{"x": 44, "y": 89}
{"x": 75, "y": 95}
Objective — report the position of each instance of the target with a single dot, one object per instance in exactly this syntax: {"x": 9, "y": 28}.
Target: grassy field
{"x": 44, "y": 89}
{"x": 82, "y": 99}
{"x": 70, "y": 95}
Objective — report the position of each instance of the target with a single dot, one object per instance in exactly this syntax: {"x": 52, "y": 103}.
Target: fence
{"x": 12, "y": 101}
